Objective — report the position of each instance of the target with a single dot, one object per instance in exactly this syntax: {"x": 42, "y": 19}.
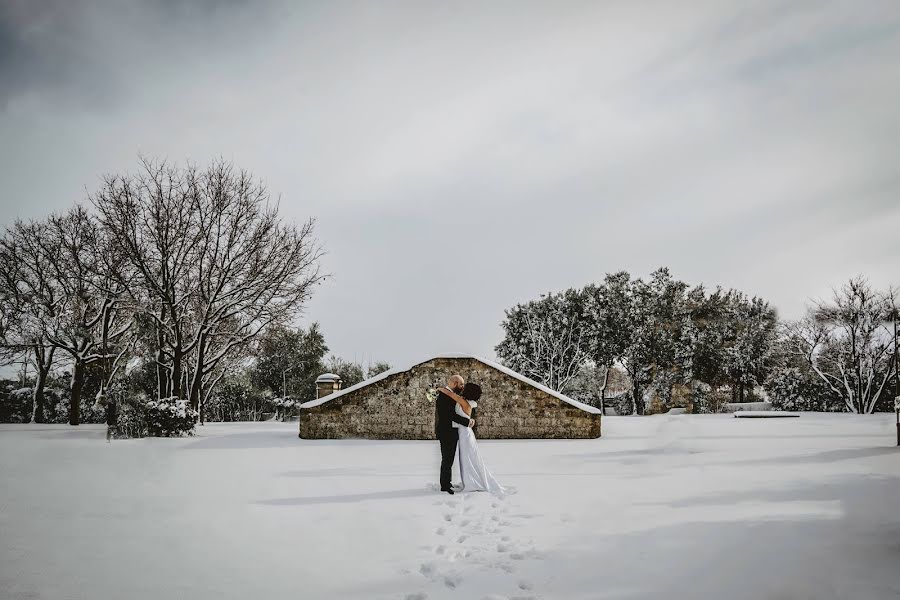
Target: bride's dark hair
{"x": 472, "y": 391}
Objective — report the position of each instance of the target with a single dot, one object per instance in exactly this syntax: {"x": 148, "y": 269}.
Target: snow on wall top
{"x": 490, "y": 363}
{"x": 327, "y": 377}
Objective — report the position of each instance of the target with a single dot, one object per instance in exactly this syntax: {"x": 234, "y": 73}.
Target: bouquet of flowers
{"x": 431, "y": 395}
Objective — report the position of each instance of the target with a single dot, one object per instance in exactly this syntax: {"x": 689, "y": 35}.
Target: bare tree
{"x": 30, "y": 300}
{"x": 213, "y": 264}
{"x": 252, "y": 269}
{"x": 152, "y": 219}
{"x": 90, "y": 322}
{"x": 847, "y": 344}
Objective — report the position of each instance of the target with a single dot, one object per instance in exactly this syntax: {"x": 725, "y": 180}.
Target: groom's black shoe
{"x": 448, "y": 490}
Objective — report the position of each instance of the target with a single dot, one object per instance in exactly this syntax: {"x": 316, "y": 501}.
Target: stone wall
{"x": 397, "y": 408}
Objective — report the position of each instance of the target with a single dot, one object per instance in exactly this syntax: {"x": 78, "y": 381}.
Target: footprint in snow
{"x": 440, "y": 531}
{"x": 417, "y": 596}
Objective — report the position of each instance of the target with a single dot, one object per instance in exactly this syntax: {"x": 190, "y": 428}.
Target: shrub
{"x": 284, "y": 406}
{"x": 790, "y": 388}
{"x": 170, "y": 417}
{"x": 138, "y": 417}
{"x": 16, "y": 405}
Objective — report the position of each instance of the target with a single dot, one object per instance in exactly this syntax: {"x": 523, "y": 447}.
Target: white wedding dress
{"x": 476, "y": 477}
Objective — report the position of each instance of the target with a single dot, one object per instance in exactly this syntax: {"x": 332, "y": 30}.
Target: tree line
{"x": 680, "y": 344}
{"x": 180, "y": 267}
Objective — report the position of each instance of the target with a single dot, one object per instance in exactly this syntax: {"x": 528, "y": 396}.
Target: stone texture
{"x": 396, "y": 407}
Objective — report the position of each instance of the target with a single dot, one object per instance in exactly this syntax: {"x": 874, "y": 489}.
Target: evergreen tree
{"x": 291, "y": 358}
{"x": 350, "y": 373}
{"x": 377, "y": 369}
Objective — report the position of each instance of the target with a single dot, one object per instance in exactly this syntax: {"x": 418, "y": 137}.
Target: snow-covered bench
{"x": 739, "y": 406}
{"x": 764, "y": 414}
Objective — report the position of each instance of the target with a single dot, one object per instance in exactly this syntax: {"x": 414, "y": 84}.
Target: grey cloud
{"x": 549, "y": 142}
{"x": 87, "y": 53}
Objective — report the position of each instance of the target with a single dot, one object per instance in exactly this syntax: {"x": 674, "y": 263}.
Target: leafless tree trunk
{"x": 601, "y": 387}
{"x": 43, "y": 361}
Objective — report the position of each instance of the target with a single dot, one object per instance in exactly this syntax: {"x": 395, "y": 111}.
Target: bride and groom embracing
{"x": 453, "y": 427}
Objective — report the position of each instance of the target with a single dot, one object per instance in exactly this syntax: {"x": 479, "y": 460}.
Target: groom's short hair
{"x": 457, "y": 378}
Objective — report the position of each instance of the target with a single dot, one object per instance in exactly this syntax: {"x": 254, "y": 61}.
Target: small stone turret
{"x": 327, "y": 383}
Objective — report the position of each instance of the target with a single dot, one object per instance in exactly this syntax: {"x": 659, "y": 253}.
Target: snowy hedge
{"x": 170, "y": 416}
{"x": 790, "y": 388}
{"x": 167, "y": 417}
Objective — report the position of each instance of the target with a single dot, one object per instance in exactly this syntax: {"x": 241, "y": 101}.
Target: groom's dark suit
{"x": 447, "y": 435}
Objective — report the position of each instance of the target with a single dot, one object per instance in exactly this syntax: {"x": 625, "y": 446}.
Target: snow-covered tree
{"x": 285, "y": 355}
{"x": 847, "y": 344}
{"x": 377, "y": 368}
{"x": 545, "y": 339}
{"x": 90, "y": 322}
{"x": 748, "y": 358}
{"x": 607, "y": 328}
{"x": 350, "y": 372}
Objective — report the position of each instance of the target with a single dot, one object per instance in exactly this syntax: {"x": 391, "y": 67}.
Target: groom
{"x": 447, "y": 435}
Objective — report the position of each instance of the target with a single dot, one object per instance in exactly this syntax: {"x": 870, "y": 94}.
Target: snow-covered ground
{"x": 660, "y": 507}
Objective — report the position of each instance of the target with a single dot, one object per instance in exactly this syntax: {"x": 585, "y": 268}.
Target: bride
{"x": 476, "y": 477}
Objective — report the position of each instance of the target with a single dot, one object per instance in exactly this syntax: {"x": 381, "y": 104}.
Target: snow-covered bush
{"x": 170, "y": 417}
{"x": 15, "y": 404}
{"x": 136, "y": 416}
{"x": 284, "y": 406}
{"x": 705, "y": 399}
{"x": 131, "y": 418}
{"x": 790, "y": 388}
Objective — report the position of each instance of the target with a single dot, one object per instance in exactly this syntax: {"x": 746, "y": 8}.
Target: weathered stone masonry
{"x": 396, "y": 407}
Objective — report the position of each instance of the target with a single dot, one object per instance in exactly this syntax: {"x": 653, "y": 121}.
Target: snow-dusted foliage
{"x": 545, "y": 339}
{"x": 679, "y": 346}
{"x": 170, "y": 417}
{"x": 284, "y": 407}
{"x": 848, "y": 344}
{"x": 795, "y": 388}
{"x": 166, "y": 417}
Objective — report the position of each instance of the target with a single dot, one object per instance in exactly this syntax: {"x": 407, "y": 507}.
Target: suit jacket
{"x": 445, "y": 415}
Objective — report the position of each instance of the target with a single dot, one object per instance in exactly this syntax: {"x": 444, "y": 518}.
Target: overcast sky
{"x": 463, "y": 157}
